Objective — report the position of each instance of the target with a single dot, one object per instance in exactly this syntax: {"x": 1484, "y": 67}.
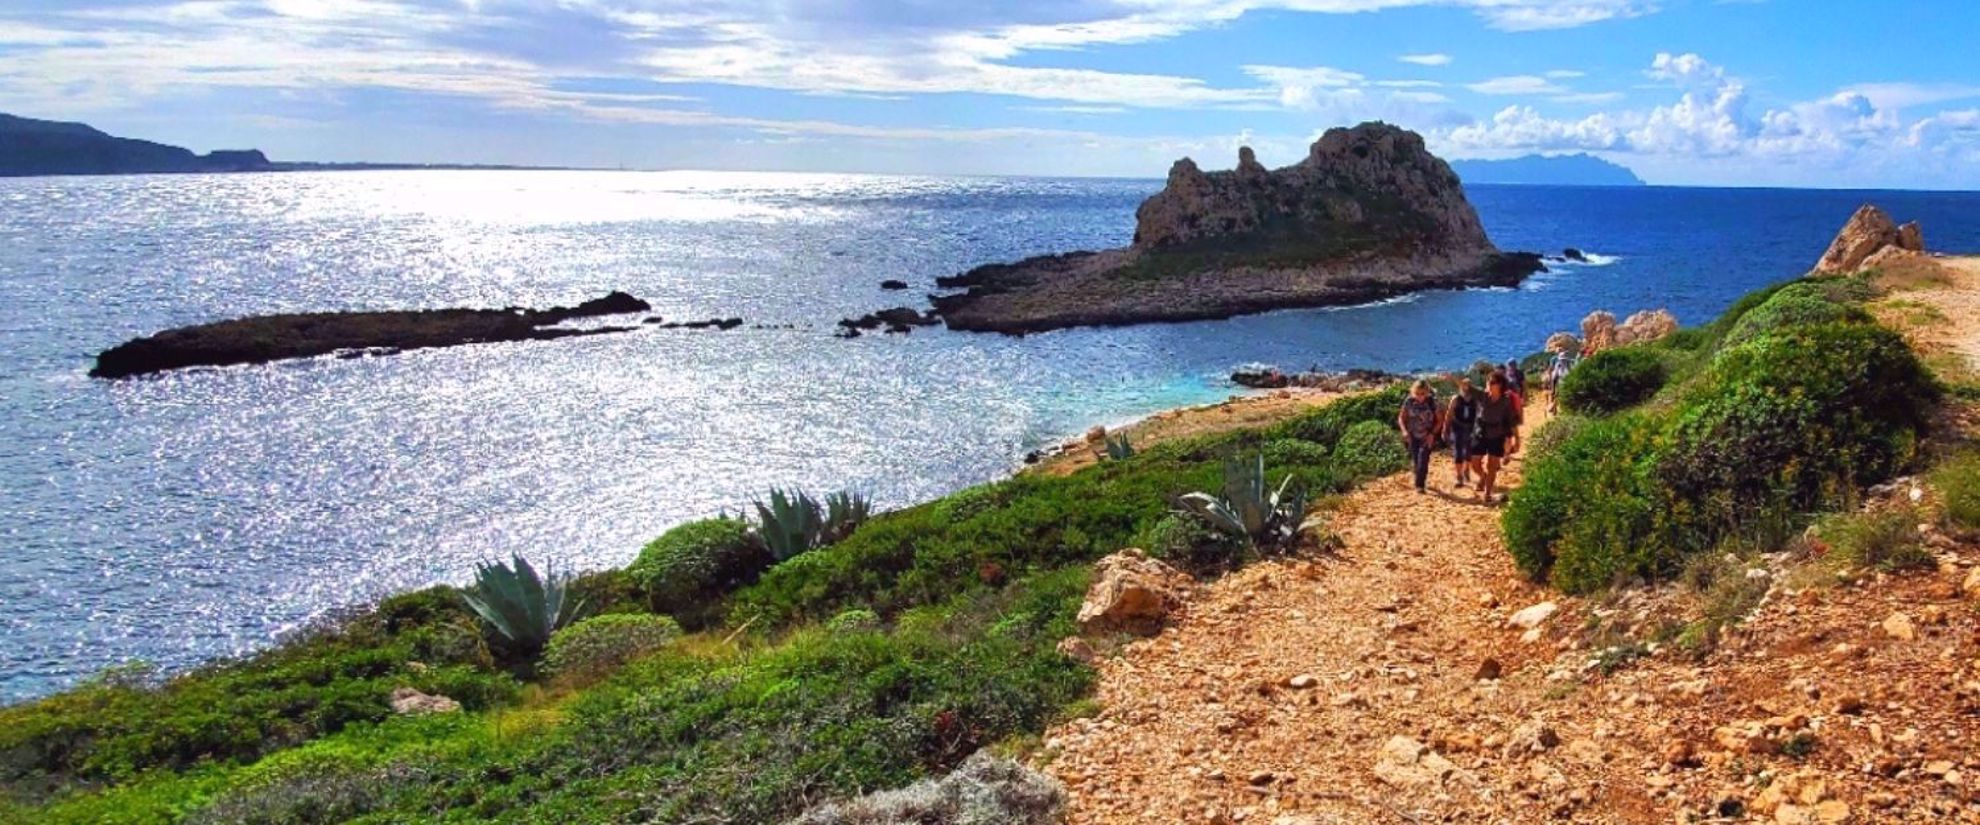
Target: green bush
{"x": 1586, "y": 505}
{"x": 1189, "y": 543}
{"x": 1613, "y": 380}
{"x": 1371, "y": 449}
{"x": 1958, "y": 483}
{"x": 687, "y": 570}
{"x": 1791, "y": 422}
{"x": 1885, "y": 540}
{"x": 599, "y": 645}
{"x": 1284, "y": 452}
{"x": 856, "y": 620}
{"x": 1800, "y": 304}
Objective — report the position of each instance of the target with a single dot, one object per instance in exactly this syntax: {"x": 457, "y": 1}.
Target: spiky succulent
{"x": 520, "y": 604}
{"x": 1246, "y": 510}
{"x": 844, "y": 513}
{"x": 793, "y": 522}
{"x": 1119, "y": 448}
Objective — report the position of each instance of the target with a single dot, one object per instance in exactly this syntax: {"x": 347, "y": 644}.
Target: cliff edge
{"x": 1368, "y": 214}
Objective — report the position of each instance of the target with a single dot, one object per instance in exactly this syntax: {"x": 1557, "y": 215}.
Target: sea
{"x": 176, "y": 519}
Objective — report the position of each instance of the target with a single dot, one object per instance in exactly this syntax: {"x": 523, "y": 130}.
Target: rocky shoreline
{"x": 261, "y": 339}
{"x": 1368, "y": 215}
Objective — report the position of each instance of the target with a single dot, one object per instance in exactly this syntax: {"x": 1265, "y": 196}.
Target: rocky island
{"x": 1369, "y": 214}
{"x": 265, "y": 338}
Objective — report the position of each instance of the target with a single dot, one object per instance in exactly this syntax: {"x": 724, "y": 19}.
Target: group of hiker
{"x": 1481, "y": 427}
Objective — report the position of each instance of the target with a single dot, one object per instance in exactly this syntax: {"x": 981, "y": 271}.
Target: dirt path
{"x": 1386, "y": 684}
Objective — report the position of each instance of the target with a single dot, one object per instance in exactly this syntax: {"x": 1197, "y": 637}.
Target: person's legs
{"x": 1419, "y": 459}
{"x": 1491, "y": 475}
{"x": 1461, "y": 456}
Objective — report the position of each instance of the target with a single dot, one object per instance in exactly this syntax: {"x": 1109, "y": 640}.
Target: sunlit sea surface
{"x": 198, "y": 514}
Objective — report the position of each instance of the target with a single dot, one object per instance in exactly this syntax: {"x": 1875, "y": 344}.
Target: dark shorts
{"x": 1461, "y": 445}
{"x": 1488, "y": 445}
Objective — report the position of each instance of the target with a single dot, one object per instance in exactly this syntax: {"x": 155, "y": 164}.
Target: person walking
{"x": 1420, "y": 423}
{"x": 1516, "y": 377}
{"x": 1557, "y": 373}
{"x": 1499, "y": 418}
{"x": 1461, "y": 427}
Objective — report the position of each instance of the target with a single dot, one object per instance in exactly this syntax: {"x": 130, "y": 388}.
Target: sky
{"x": 1805, "y": 93}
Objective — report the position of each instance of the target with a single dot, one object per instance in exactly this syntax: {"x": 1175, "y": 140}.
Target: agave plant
{"x": 844, "y": 513}
{"x": 1119, "y": 448}
{"x": 1246, "y": 510}
{"x": 793, "y": 522}
{"x": 523, "y": 606}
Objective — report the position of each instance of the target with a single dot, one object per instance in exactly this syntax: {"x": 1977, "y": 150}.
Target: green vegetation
{"x": 1958, "y": 483}
{"x": 1885, "y": 540}
{"x": 1246, "y": 511}
{"x": 1777, "y": 410}
{"x": 880, "y": 658}
{"x": 595, "y": 647}
{"x": 522, "y": 605}
{"x": 688, "y": 570}
{"x": 793, "y": 522}
{"x": 1613, "y": 380}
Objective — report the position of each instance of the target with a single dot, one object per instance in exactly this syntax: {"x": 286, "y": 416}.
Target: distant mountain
{"x": 1565, "y": 170}
{"x": 47, "y": 147}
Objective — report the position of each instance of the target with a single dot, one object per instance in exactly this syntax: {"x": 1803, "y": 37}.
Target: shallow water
{"x": 176, "y": 518}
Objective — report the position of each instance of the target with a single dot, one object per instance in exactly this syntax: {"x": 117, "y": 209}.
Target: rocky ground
{"x": 1413, "y": 676}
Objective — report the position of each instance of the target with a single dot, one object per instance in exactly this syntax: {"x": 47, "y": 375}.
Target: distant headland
{"x": 1554, "y": 170}
{"x": 1369, "y": 214}
{"x": 47, "y": 147}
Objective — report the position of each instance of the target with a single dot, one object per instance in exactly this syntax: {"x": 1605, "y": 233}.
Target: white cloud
{"x": 1906, "y": 95}
{"x": 1521, "y": 84}
{"x": 1433, "y": 59}
{"x": 1566, "y": 74}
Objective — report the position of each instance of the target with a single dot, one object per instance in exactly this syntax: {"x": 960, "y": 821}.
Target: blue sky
{"x": 1717, "y": 92}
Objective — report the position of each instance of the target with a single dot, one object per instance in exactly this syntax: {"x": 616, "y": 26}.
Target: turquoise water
{"x": 203, "y": 513}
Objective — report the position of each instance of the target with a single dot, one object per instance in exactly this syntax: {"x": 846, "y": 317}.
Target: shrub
{"x": 856, "y": 620}
{"x": 793, "y": 522}
{"x": 1282, "y": 452}
{"x": 1801, "y": 304}
{"x": 1613, "y": 380}
{"x": 599, "y": 645}
{"x": 1790, "y": 422}
{"x": 986, "y": 790}
{"x": 687, "y": 570}
{"x": 1330, "y": 423}
{"x": 1958, "y": 483}
{"x": 521, "y": 604}
{"x": 1586, "y": 507}
{"x": 1246, "y": 510}
{"x": 1886, "y": 540}
{"x": 1371, "y": 449}
{"x": 1191, "y": 543}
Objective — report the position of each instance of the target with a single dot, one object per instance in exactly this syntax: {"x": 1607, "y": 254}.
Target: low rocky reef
{"x": 265, "y": 338}
{"x": 1368, "y": 215}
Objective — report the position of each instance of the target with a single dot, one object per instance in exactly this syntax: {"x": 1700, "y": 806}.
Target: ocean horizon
{"x": 205, "y": 513}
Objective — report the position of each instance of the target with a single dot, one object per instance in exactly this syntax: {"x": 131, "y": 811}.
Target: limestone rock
{"x": 1404, "y": 762}
{"x": 1076, "y": 649}
{"x": 1132, "y": 593}
{"x": 1563, "y": 342}
{"x": 1532, "y": 617}
{"x": 409, "y": 702}
{"x": 1317, "y": 192}
{"x": 1898, "y": 626}
{"x": 1598, "y": 332}
{"x": 1646, "y": 326}
{"x": 1868, "y": 231}
{"x": 1533, "y": 737}
{"x": 1972, "y": 585}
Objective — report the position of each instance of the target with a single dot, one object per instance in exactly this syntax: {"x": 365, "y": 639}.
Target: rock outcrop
{"x": 1132, "y": 593}
{"x": 1599, "y": 331}
{"x": 1368, "y": 214}
{"x": 1867, "y": 233}
{"x": 410, "y": 702}
{"x": 265, "y": 338}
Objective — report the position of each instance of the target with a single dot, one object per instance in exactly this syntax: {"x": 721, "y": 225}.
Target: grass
{"x": 1958, "y": 483}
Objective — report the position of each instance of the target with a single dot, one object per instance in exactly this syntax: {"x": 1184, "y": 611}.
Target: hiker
{"x": 1515, "y": 392}
{"x": 1557, "y": 373}
{"x": 1515, "y": 377}
{"x": 1461, "y": 426}
{"x": 1420, "y": 423}
{"x": 1499, "y": 417}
